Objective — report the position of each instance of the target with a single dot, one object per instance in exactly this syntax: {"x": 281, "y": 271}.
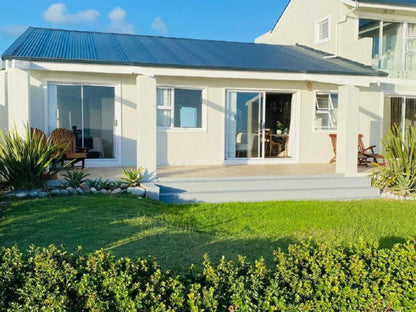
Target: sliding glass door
{"x": 245, "y": 115}
{"x": 89, "y": 112}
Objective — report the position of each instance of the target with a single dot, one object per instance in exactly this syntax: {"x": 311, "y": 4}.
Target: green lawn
{"x": 180, "y": 235}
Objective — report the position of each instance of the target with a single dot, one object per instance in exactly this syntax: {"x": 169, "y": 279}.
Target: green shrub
{"x": 307, "y": 278}
{"x": 399, "y": 176}
{"x": 132, "y": 177}
{"x": 25, "y": 162}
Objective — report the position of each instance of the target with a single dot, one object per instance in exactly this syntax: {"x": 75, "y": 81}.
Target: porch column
{"x": 146, "y": 126}
{"x": 18, "y": 99}
{"x": 348, "y": 104}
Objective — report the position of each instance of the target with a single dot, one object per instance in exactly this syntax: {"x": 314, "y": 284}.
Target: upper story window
{"x": 179, "y": 108}
{"x": 393, "y": 43}
{"x": 326, "y": 110}
{"x": 322, "y": 30}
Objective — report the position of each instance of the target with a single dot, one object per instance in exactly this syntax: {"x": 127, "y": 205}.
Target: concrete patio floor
{"x": 224, "y": 171}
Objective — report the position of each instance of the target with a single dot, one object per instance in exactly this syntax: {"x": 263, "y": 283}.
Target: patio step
{"x": 270, "y": 188}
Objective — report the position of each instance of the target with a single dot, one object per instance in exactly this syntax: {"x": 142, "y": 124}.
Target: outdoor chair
{"x": 39, "y": 134}
{"x": 363, "y": 154}
{"x": 369, "y": 152}
{"x": 66, "y": 138}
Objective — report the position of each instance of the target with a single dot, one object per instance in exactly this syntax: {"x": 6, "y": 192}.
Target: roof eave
{"x": 373, "y": 73}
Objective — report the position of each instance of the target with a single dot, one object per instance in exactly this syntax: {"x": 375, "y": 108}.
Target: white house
{"x": 151, "y": 101}
{"x": 377, "y": 33}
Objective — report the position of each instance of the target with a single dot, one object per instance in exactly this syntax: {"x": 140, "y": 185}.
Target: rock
{"x": 85, "y": 188}
{"x": 33, "y": 193}
{"x": 116, "y": 191}
{"x": 64, "y": 192}
{"x": 79, "y": 190}
{"x": 103, "y": 191}
{"x": 21, "y": 194}
{"x": 55, "y": 192}
{"x": 137, "y": 191}
{"x": 93, "y": 190}
{"x": 71, "y": 190}
{"x": 42, "y": 194}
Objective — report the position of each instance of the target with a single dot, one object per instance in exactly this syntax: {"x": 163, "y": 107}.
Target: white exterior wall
{"x": 297, "y": 24}
{"x": 191, "y": 146}
{"x": 4, "y": 118}
{"x": 207, "y": 146}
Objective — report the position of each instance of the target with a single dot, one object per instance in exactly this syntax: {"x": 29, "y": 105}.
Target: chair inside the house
{"x": 273, "y": 147}
{"x": 241, "y": 144}
{"x": 66, "y": 138}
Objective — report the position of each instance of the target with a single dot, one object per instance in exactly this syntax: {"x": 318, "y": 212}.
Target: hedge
{"x": 307, "y": 278}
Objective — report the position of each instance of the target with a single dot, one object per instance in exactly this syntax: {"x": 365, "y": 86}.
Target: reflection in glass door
{"x": 89, "y": 112}
{"x": 245, "y": 115}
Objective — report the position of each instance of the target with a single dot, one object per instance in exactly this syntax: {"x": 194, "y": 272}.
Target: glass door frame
{"x": 50, "y": 107}
{"x": 403, "y": 99}
{"x": 261, "y": 118}
{"x": 295, "y": 127}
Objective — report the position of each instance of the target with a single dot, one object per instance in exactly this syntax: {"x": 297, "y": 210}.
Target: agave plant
{"x": 132, "y": 177}
{"x": 25, "y": 162}
{"x": 75, "y": 178}
{"x": 399, "y": 176}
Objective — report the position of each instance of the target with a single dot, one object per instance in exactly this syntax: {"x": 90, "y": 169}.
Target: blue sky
{"x": 236, "y": 20}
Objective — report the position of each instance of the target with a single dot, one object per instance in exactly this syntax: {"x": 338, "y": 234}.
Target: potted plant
{"x": 279, "y": 127}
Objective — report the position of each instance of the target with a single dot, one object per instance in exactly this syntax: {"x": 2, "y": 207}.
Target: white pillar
{"x": 18, "y": 98}
{"x": 146, "y": 126}
{"x": 347, "y": 133}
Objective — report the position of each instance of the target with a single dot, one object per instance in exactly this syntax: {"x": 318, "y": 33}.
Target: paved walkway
{"x": 226, "y": 171}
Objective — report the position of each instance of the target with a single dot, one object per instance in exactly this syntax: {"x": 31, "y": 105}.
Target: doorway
{"x": 258, "y": 125}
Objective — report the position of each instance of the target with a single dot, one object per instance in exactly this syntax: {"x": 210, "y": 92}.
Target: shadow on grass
{"x": 125, "y": 226}
{"x": 389, "y": 241}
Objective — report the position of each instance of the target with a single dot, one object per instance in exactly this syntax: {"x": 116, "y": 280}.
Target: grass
{"x": 180, "y": 235}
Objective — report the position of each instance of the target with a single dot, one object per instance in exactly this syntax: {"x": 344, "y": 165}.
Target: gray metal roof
{"x": 394, "y": 2}
{"x": 55, "y": 45}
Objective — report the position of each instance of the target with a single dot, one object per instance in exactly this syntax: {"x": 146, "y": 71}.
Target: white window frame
{"x": 318, "y": 23}
{"x": 171, "y": 108}
{"x": 328, "y": 110}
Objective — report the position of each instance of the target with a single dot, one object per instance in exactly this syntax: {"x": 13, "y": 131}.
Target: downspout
{"x": 336, "y": 29}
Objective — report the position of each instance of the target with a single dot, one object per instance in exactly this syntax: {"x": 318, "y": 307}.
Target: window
{"x": 326, "y": 109}
{"x": 393, "y": 44}
{"x": 322, "y": 30}
{"x": 179, "y": 108}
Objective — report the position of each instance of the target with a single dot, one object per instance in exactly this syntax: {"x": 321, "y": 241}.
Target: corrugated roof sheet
{"x": 55, "y": 45}
{"x": 394, "y": 2}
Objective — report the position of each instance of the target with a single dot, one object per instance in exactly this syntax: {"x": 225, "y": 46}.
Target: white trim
{"x": 356, "y": 80}
{"x": 204, "y": 110}
{"x": 317, "y": 30}
{"x": 378, "y": 6}
{"x": 117, "y": 115}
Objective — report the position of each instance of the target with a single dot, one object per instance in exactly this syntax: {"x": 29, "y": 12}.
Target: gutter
{"x": 356, "y": 4}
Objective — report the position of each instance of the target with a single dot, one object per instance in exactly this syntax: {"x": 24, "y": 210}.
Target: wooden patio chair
{"x": 66, "y": 138}
{"x": 38, "y": 133}
{"x": 369, "y": 152}
{"x": 362, "y": 158}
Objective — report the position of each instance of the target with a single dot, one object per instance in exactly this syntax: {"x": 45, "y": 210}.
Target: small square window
{"x": 322, "y": 31}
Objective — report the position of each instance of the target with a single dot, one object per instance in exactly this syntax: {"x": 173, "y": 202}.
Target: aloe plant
{"x": 133, "y": 177}
{"x": 25, "y": 162}
{"x": 399, "y": 176}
